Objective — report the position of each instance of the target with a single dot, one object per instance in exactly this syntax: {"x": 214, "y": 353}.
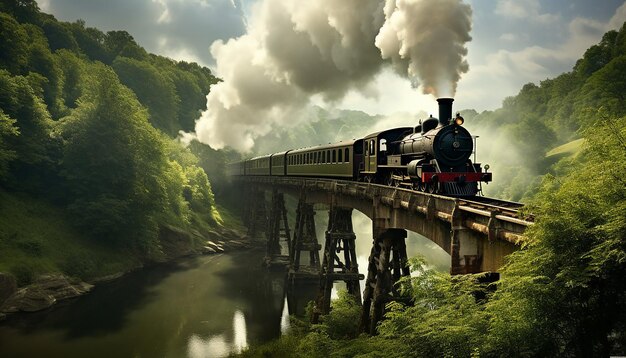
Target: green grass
{"x": 568, "y": 149}
{"x": 37, "y": 237}
{"x": 229, "y": 219}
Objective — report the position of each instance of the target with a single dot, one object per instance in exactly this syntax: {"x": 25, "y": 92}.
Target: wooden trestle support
{"x": 277, "y": 231}
{"x": 387, "y": 264}
{"x": 304, "y": 239}
{"x": 339, "y": 237}
{"x": 255, "y": 212}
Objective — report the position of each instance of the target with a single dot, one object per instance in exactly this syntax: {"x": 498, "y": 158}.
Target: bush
{"x": 24, "y": 274}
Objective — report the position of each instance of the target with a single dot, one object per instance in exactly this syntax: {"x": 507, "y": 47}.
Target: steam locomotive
{"x": 433, "y": 157}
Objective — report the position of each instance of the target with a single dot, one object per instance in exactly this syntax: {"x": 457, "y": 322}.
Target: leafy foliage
{"x": 75, "y": 132}
{"x": 7, "y": 129}
{"x": 113, "y": 162}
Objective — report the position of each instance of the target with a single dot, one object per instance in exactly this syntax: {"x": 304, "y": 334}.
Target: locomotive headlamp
{"x": 459, "y": 120}
{"x": 487, "y": 167}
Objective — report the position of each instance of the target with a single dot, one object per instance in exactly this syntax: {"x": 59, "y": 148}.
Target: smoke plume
{"x": 425, "y": 41}
{"x": 294, "y": 50}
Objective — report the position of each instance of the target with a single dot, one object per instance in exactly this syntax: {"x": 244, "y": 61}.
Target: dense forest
{"x": 561, "y": 146}
{"x": 91, "y": 172}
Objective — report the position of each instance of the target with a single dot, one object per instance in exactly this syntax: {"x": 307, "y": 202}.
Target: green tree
{"x": 35, "y": 166}
{"x": 72, "y": 70}
{"x": 7, "y": 129}
{"x": 115, "y": 164}
{"x": 90, "y": 41}
{"x": 153, "y": 89}
{"x": 14, "y": 47}
{"x": 192, "y": 99}
{"x": 121, "y": 43}
{"x": 564, "y": 294}
{"x": 59, "y": 35}
{"x": 41, "y": 61}
{"x": 23, "y": 10}
{"x": 605, "y": 88}
{"x": 597, "y": 56}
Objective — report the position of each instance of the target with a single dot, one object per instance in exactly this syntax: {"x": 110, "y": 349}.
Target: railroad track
{"x": 508, "y": 208}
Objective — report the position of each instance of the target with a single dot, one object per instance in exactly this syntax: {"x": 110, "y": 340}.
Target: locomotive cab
{"x": 380, "y": 150}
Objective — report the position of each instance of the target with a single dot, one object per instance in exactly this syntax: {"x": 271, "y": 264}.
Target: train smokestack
{"x": 445, "y": 110}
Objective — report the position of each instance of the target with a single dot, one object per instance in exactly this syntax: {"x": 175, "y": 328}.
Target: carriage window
{"x": 334, "y": 156}
{"x": 383, "y": 145}
{"x": 347, "y": 155}
{"x": 339, "y": 158}
{"x": 373, "y": 147}
{"x": 328, "y": 156}
{"x": 366, "y": 147}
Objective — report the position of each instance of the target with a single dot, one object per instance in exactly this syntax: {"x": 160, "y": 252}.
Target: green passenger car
{"x": 258, "y": 165}
{"x": 338, "y": 160}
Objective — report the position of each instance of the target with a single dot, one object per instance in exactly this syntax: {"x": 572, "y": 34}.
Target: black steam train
{"x": 432, "y": 157}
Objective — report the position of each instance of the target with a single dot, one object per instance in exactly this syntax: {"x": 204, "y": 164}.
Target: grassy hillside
{"x": 568, "y": 149}
{"x": 36, "y": 237}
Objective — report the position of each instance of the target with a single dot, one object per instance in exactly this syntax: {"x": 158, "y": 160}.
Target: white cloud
{"x": 390, "y": 94}
{"x": 189, "y": 25}
{"x": 44, "y": 5}
{"x": 618, "y": 19}
{"x": 524, "y": 9}
{"x": 508, "y": 37}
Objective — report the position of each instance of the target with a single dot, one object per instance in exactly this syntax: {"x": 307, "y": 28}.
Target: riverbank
{"x": 200, "y": 306}
{"x": 44, "y": 259}
{"x": 49, "y": 289}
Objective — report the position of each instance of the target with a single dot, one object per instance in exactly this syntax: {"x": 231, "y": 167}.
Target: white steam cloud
{"x": 425, "y": 41}
{"x": 294, "y": 50}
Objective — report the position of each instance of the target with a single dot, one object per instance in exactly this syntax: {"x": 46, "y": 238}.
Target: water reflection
{"x": 284, "y": 318}
{"x": 207, "y": 306}
{"x": 218, "y": 346}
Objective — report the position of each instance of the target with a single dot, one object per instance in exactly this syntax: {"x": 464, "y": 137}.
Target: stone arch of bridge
{"x": 436, "y": 231}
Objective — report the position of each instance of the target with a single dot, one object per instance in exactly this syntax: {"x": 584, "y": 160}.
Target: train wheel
{"x": 391, "y": 181}
{"x": 417, "y": 186}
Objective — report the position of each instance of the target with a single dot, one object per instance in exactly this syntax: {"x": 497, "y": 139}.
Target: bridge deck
{"x": 477, "y": 211}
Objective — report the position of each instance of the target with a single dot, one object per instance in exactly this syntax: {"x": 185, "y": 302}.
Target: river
{"x": 206, "y": 306}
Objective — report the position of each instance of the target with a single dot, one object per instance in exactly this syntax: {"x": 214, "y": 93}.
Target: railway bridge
{"x": 478, "y": 233}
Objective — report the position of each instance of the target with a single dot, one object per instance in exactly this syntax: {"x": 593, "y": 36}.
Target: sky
{"x": 513, "y": 42}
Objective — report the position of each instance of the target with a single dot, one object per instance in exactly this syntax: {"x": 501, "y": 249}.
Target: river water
{"x": 206, "y": 306}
